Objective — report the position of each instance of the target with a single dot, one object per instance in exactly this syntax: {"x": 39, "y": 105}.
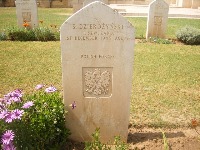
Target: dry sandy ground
{"x": 152, "y": 139}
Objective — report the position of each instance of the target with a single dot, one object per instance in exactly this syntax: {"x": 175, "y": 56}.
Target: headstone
{"x": 97, "y": 47}
{"x": 184, "y": 3}
{"x": 26, "y": 13}
{"x": 86, "y": 2}
{"x": 78, "y": 4}
{"x": 157, "y": 19}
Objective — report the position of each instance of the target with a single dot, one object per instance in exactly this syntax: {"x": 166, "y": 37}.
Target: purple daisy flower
{"x": 16, "y": 93}
{"x": 28, "y": 104}
{"x": 8, "y": 137}
{"x": 3, "y": 114}
{"x": 39, "y": 86}
{"x": 2, "y": 106}
{"x": 14, "y": 96}
{"x": 17, "y": 114}
{"x": 15, "y": 99}
{"x": 73, "y": 105}
{"x": 6, "y": 100}
{"x": 9, "y": 146}
{"x": 1, "y": 100}
{"x": 50, "y": 89}
{"x": 8, "y": 117}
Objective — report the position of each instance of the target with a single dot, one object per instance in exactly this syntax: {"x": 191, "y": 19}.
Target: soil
{"x": 152, "y": 139}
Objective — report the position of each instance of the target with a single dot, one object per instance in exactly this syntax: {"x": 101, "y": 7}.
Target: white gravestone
{"x": 97, "y": 67}
{"x": 157, "y": 19}
{"x": 26, "y": 12}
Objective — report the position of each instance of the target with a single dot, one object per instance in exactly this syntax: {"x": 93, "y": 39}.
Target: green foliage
{"x": 159, "y": 40}
{"x": 42, "y": 126}
{"x": 173, "y": 24}
{"x": 119, "y": 144}
{"x": 189, "y": 35}
{"x": 45, "y": 34}
{"x": 20, "y": 34}
{"x": 3, "y": 36}
{"x": 96, "y": 144}
{"x": 59, "y": 15}
{"x": 35, "y": 34}
{"x": 166, "y": 146}
{"x": 165, "y": 75}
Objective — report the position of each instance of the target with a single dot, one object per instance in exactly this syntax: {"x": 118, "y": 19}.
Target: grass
{"x": 25, "y": 64}
{"x": 140, "y": 24}
{"x": 53, "y": 16}
{"x": 166, "y": 85}
{"x": 56, "y": 16}
{"x": 166, "y": 82}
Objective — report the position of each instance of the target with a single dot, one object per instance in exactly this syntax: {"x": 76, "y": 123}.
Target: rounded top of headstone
{"x": 86, "y": 2}
{"x": 97, "y": 12}
{"x": 159, "y": 1}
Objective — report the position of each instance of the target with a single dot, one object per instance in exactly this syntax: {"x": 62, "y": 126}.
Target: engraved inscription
{"x": 98, "y": 32}
{"x": 158, "y": 20}
{"x": 97, "y": 82}
{"x": 97, "y": 56}
{"x": 102, "y": 26}
{"x": 26, "y": 16}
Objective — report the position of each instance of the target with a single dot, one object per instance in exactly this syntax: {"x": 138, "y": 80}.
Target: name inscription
{"x": 94, "y": 32}
{"x": 102, "y": 26}
{"x": 97, "y": 56}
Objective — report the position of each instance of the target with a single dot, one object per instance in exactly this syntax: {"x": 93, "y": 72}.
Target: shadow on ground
{"x": 143, "y": 136}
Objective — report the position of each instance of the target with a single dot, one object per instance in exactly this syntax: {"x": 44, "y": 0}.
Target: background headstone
{"x": 157, "y": 19}
{"x": 26, "y": 11}
{"x": 78, "y": 4}
{"x": 97, "y": 66}
{"x": 86, "y": 2}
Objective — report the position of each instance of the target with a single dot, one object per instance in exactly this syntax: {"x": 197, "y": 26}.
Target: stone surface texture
{"x": 97, "y": 47}
{"x": 26, "y": 11}
{"x": 157, "y": 19}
